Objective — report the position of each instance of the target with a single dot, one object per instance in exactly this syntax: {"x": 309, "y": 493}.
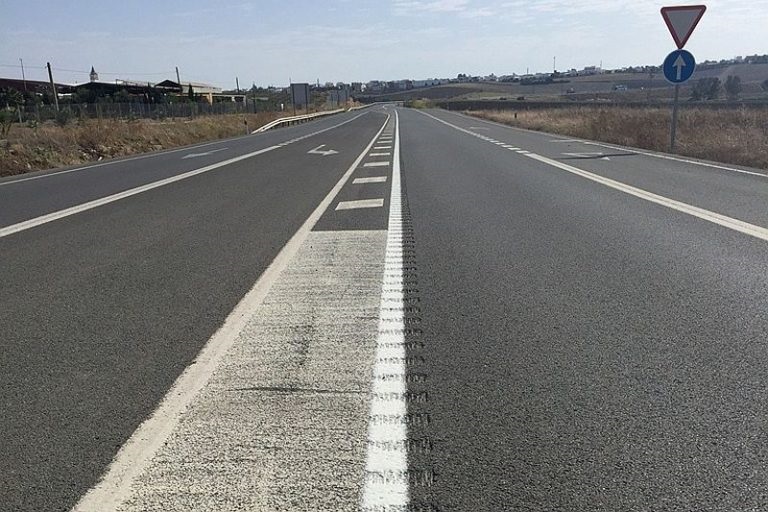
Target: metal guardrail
{"x": 287, "y": 121}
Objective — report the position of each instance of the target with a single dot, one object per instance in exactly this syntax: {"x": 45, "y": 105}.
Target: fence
{"x": 42, "y": 113}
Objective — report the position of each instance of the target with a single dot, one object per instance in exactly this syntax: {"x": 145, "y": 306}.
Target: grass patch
{"x": 35, "y": 147}
{"x": 738, "y": 136}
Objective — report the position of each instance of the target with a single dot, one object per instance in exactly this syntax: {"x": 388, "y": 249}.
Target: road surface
{"x": 385, "y": 310}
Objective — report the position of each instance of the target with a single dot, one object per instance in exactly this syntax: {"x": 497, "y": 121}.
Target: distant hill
{"x": 607, "y": 86}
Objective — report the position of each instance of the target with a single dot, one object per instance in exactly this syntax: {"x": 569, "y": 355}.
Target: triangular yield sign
{"x": 681, "y": 20}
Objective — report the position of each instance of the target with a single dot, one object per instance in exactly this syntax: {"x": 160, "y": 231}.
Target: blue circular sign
{"x": 678, "y": 66}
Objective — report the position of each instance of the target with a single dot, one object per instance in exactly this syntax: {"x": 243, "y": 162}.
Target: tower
{"x": 94, "y": 75}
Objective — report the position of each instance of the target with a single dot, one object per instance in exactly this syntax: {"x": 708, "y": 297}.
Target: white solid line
{"x": 677, "y": 159}
{"x": 50, "y": 217}
{"x": 594, "y": 143}
{"x": 379, "y": 154}
{"x": 360, "y": 203}
{"x": 135, "y": 455}
{"x": 44, "y": 219}
{"x": 167, "y": 152}
{"x": 376, "y": 164}
{"x": 375, "y": 179}
{"x": 386, "y": 469}
{"x": 701, "y": 213}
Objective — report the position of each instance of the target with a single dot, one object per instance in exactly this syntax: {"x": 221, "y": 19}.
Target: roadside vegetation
{"x": 735, "y": 136}
{"x": 34, "y": 146}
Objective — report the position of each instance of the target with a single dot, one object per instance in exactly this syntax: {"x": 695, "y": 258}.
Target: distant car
{"x": 570, "y": 90}
{"x": 521, "y": 98}
{"x": 619, "y": 87}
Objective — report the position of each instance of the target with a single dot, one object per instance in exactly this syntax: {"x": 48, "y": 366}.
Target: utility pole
{"x": 178, "y": 80}
{"x": 554, "y": 64}
{"x": 23, "y": 78}
{"x": 237, "y": 82}
{"x": 53, "y": 86}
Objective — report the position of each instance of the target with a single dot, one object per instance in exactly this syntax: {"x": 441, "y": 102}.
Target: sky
{"x": 272, "y": 42}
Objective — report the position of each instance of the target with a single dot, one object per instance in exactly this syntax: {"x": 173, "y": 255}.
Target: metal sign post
{"x": 679, "y": 65}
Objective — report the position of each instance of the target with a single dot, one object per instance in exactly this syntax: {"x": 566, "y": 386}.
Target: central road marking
{"x": 360, "y": 203}
{"x": 386, "y": 479}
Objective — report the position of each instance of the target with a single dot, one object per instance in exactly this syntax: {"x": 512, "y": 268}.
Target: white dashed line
{"x": 375, "y": 179}
{"x": 384, "y": 163}
{"x": 361, "y": 203}
{"x": 379, "y": 154}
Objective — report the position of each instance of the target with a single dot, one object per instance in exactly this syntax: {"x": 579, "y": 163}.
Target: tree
{"x": 191, "y": 93}
{"x": 733, "y": 87}
{"x": 10, "y": 98}
{"x": 706, "y": 89}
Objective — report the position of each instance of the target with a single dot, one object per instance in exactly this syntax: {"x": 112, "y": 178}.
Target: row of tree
{"x": 711, "y": 88}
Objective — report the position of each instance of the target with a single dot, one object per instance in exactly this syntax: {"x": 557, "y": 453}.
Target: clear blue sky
{"x": 268, "y": 41}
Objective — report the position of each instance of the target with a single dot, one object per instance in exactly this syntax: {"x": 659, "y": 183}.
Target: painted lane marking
{"x": 375, "y": 179}
{"x": 695, "y": 211}
{"x": 710, "y": 216}
{"x": 377, "y": 148}
{"x": 384, "y": 163}
{"x": 386, "y": 469}
{"x": 677, "y": 159}
{"x": 360, "y": 203}
{"x": 135, "y": 455}
{"x": 50, "y": 217}
{"x": 206, "y": 153}
{"x": 167, "y": 152}
{"x": 44, "y": 219}
{"x": 610, "y": 146}
{"x": 319, "y": 151}
{"x": 379, "y": 154}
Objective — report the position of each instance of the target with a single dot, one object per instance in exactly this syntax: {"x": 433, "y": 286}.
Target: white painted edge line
{"x": 50, "y": 217}
{"x": 610, "y": 146}
{"x": 360, "y": 203}
{"x": 701, "y": 213}
{"x": 374, "y": 179}
{"x": 716, "y": 218}
{"x": 376, "y": 164}
{"x": 135, "y": 455}
{"x": 169, "y": 151}
{"x": 674, "y": 158}
{"x": 113, "y": 162}
{"x": 386, "y": 467}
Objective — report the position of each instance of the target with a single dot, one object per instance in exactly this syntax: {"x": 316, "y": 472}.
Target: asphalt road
{"x": 444, "y": 315}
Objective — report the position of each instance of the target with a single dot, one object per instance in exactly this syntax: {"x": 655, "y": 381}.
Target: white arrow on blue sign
{"x": 679, "y": 66}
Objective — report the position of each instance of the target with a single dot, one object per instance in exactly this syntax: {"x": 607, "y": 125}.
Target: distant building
{"x": 94, "y": 75}
{"x": 208, "y": 92}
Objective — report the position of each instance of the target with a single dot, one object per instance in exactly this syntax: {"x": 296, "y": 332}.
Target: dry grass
{"x": 49, "y": 146}
{"x": 731, "y": 136}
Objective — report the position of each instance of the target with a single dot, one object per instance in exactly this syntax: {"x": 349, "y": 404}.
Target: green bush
{"x": 63, "y": 117}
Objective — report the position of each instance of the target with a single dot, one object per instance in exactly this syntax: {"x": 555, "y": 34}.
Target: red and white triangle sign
{"x": 681, "y": 20}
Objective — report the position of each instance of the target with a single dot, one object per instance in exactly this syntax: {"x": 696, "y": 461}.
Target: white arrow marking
{"x": 317, "y": 151}
{"x": 195, "y": 155}
{"x": 679, "y": 64}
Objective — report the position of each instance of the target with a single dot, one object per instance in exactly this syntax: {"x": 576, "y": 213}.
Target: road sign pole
{"x": 673, "y": 133}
